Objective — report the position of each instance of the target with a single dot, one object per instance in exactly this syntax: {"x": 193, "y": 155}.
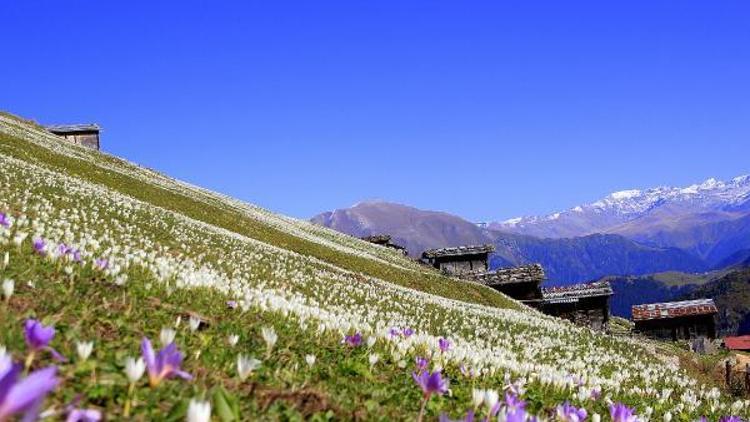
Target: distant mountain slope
{"x": 590, "y": 257}
{"x": 732, "y": 296}
{"x": 565, "y": 260}
{"x": 413, "y": 228}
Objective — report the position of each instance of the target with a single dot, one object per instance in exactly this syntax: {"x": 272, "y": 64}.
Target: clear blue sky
{"x": 484, "y": 109}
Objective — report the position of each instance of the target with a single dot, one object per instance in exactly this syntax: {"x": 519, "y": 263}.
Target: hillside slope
{"x": 109, "y": 252}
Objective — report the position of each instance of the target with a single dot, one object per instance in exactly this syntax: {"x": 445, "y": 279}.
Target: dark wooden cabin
{"x": 676, "y": 320}
{"x": 460, "y": 260}
{"x": 384, "y": 240}
{"x": 521, "y": 283}
{"x": 585, "y": 304}
{"x": 84, "y": 134}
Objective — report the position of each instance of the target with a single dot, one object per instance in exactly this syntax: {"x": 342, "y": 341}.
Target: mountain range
{"x": 633, "y": 232}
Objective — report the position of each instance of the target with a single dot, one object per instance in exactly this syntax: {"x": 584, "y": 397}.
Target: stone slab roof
{"x": 573, "y": 293}
{"x": 458, "y": 251}
{"x": 380, "y": 239}
{"x": 93, "y": 127}
{"x": 533, "y": 273}
{"x": 667, "y": 310}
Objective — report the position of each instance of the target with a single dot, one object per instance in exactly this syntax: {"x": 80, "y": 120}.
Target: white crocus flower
{"x": 134, "y": 369}
{"x": 477, "y": 397}
{"x": 194, "y": 322}
{"x": 233, "y": 339}
{"x": 84, "y": 349}
{"x": 371, "y": 341}
{"x": 269, "y": 336}
{"x": 199, "y": 411}
{"x": 8, "y": 288}
{"x": 310, "y": 360}
{"x": 596, "y": 418}
{"x": 373, "y": 358}
{"x": 491, "y": 397}
{"x": 167, "y": 336}
{"x": 246, "y": 366}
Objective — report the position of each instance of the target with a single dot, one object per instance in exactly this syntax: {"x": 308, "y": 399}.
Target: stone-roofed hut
{"x": 460, "y": 260}
{"x": 82, "y": 134}
{"x": 521, "y": 283}
{"x": 676, "y": 320}
{"x": 585, "y": 304}
{"x": 384, "y": 240}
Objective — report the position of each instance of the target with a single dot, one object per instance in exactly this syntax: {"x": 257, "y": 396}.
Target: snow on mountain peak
{"x": 625, "y": 205}
{"x": 625, "y": 194}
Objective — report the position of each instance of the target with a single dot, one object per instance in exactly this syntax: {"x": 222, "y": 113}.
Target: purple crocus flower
{"x": 731, "y": 419}
{"x": 394, "y": 332}
{"x": 38, "y": 337}
{"x": 163, "y": 365}
{"x": 39, "y": 246}
{"x": 232, "y": 304}
{"x": 421, "y": 363}
{"x": 513, "y": 402}
{"x": 621, "y": 413}
{"x": 101, "y": 264}
{"x": 84, "y": 415}
{"x": 569, "y": 413}
{"x": 444, "y": 344}
{"x": 408, "y": 332}
{"x": 468, "y": 418}
{"x": 518, "y": 415}
{"x": 23, "y": 396}
{"x": 4, "y": 220}
{"x": 354, "y": 340}
{"x": 431, "y": 383}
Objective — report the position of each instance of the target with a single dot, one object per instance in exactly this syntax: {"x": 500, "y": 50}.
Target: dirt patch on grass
{"x": 308, "y": 402}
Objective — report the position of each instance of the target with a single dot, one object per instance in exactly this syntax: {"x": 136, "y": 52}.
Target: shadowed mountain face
{"x": 565, "y": 260}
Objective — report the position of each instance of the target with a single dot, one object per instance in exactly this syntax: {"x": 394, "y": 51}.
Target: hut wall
{"x": 457, "y": 265}
{"x": 592, "y": 312}
{"x": 680, "y": 328}
{"x": 521, "y": 291}
{"x": 90, "y": 140}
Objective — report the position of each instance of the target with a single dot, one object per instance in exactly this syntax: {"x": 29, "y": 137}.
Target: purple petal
{"x": 8, "y": 376}
{"x": 25, "y": 394}
{"x": 148, "y": 355}
{"x": 56, "y": 355}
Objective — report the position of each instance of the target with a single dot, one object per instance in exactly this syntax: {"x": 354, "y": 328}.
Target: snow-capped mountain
{"x": 606, "y": 214}
{"x": 709, "y": 219}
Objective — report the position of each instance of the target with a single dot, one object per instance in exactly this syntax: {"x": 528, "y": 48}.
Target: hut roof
{"x": 77, "y": 128}
{"x": 523, "y": 274}
{"x": 458, "y": 251}
{"x": 673, "y": 309}
{"x": 737, "y": 343}
{"x": 380, "y": 239}
{"x": 575, "y": 292}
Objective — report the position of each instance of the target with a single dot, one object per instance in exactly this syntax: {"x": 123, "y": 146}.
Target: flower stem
{"x": 129, "y": 400}
{"x": 29, "y": 361}
{"x": 421, "y": 409}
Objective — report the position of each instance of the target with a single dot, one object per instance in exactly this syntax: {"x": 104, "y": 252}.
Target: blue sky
{"x": 484, "y": 109}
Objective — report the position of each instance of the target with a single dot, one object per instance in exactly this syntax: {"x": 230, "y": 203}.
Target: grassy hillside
{"x": 109, "y": 252}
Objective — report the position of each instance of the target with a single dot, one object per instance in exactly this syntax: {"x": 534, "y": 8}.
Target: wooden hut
{"x": 461, "y": 260}
{"x": 83, "y": 134}
{"x": 676, "y": 320}
{"x": 521, "y": 283}
{"x": 384, "y": 240}
{"x": 585, "y": 304}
